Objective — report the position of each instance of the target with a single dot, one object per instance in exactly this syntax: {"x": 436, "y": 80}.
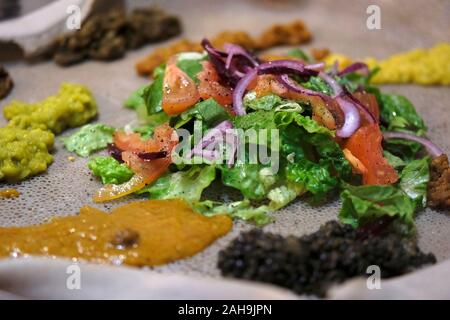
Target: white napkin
{"x": 44, "y": 278}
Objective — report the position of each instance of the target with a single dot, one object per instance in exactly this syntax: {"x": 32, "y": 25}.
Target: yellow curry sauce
{"x": 9, "y": 194}
{"x": 422, "y": 66}
{"x": 144, "y": 233}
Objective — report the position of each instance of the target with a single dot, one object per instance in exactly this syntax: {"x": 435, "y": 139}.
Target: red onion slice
{"x": 233, "y": 50}
{"x": 432, "y": 149}
{"x": 352, "y": 118}
{"x": 292, "y": 85}
{"x": 336, "y": 87}
{"x": 239, "y": 91}
{"x": 354, "y": 67}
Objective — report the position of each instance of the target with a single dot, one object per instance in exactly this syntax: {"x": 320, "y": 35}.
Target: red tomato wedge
{"x": 179, "y": 90}
{"x": 210, "y": 87}
{"x": 164, "y": 139}
{"x": 133, "y": 142}
{"x": 365, "y": 145}
{"x": 370, "y": 102}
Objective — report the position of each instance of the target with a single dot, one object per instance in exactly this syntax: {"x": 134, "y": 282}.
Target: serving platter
{"x": 337, "y": 25}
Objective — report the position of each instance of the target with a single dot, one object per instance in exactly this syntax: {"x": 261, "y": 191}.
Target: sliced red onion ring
{"x": 114, "y": 152}
{"x": 210, "y": 137}
{"x": 317, "y": 66}
{"x": 239, "y": 91}
{"x": 233, "y": 50}
{"x": 282, "y": 66}
{"x": 432, "y": 149}
{"x": 294, "y": 86}
{"x": 352, "y": 118}
{"x": 147, "y": 156}
{"x": 336, "y": 87}
{"x": 354, "y": 67}
{"x": 210, "y": 155}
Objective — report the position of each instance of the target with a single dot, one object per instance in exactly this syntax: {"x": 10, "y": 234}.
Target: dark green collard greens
{"x": 90, "y": 138}
{"x": 362, "y": 204}
{"x": 109, "y": 170}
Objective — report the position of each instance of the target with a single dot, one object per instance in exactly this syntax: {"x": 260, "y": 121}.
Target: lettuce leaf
{"x": 414, "y": 180}
{"x": 314, "y": 176}
{"x": 135, "y": 99}
{"x": 90, "y": 138}
{"x": 271, "y": 102}
{"x": 110, "y": 170}
{"x": 399, "y": 114}
{"x": 208, "y": 111}
{"x": 362, "y": 204}
{"x": 153, "y": 94}
{"x": 242, "y": 210}
{"x": 187, "y": 185}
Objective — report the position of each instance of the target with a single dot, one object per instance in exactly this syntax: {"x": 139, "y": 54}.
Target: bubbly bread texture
{"x": 24, "y": 153}
{"x": 72, "y": 106}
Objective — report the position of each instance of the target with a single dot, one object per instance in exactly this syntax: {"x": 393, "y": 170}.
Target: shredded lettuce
{"x": 270, "y": 102}
{"x": 242, "y": 210}
{"x": 188, "y": 184}
{"x": 153, "y": 94}
{"x": 208, "y": 111}
{"x": 135, "y": 99}
{"x": 299, "y": 53}
{"x": 247, "y": 178}
{"x": 109, "y": 170}
{"x": 190, "y": 63}
{"x": 90, "y": 138}
{"x": 414, "y": 180}
{"x": 399, "y": 114}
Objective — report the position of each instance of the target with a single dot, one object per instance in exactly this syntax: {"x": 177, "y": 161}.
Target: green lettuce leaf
{"x": 399, "y": 114}
{"x": 393, "y": 160}
{"x": 110, "y": 170}
{"x": 299, "y": 53}
{"x": 314, "y": 176}
{"x": 363, "y": 204}
{"x": 250, "y": 179}
{"x": 414, "y": 180}
{"x": 135, "y": 100}
{"x": 242, "y": 210}
{"x": 284, "y": 194}
{"x": 153, "y": 94}
{"x": 317, "y": 84}
{"x": 90, "y": 138}
{"x": 208, "y": 111}
{"x": 187, "y": 185}
{"x": 190, "y": 63}
{"x": 271, "y": 102}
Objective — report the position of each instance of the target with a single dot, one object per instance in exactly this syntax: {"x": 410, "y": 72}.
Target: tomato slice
{"x": 179, "y": 90}
{"x": 210, "y": 86}
{"x": 132, "y": 141}
{"x": 370, "y": 102}
{"x": 164, "y": 139}
{"x": 365, "y": 145}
